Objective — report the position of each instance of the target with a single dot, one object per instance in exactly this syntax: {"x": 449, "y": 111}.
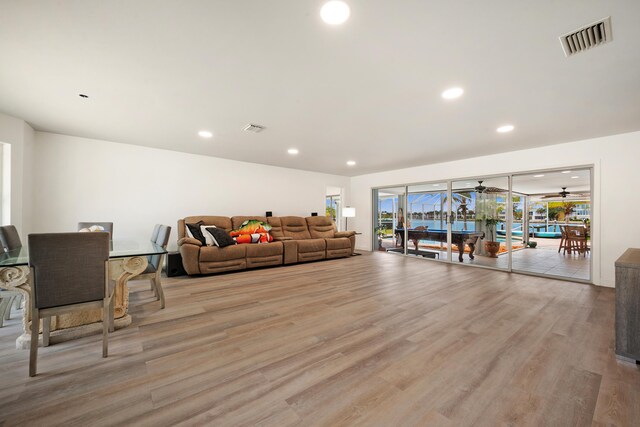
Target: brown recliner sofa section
{"x": 296, "y": 239}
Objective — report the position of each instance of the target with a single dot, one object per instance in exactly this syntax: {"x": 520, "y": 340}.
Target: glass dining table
{"x": 127, "y": 259}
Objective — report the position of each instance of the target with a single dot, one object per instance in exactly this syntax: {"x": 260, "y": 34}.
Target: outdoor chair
{"x": 577, "y": 237}
{"x": 564, "y": 240}
{"x": 70, "y": 272}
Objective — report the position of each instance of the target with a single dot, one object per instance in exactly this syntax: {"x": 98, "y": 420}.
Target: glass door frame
{"x": 591, "y": 169}
{"x": 509, "y": 217}
{"x": 448, "y": 216}
{"x": 405, "y": 208}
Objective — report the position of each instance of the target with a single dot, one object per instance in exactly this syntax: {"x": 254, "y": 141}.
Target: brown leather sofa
{"x": 296, "y": 239}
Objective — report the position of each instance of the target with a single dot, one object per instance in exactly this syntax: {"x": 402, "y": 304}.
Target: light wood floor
{"x": 372, "y": 340}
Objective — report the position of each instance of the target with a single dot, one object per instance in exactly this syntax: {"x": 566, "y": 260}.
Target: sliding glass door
{"x": 389, "y": 219}
{"x": 536, "y": 223}
{"x": 427, "y": 221}
{"x": 479, "y": 230}
{"x": 558, "y": 220}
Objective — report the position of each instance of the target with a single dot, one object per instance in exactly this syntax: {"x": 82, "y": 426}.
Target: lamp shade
{"x": 348, "y": 212}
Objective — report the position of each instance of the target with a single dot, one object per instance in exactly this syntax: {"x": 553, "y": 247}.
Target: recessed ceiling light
{"x": 351, "y": 163}
{"x": 292, "y": 151}
{"x": 205, "y": 134}
{"x": 574, "y": 177}
{"x": 468, "y": 183}
{"x": 335, "y": 12}
{"x": 505, "y": 129}
{"x": 565, "y": 172}
{"x": 436, "y": 185}
{"x": 453, "y": 93}
{"x": 82, "y": 95}
{"x": 538, "y": 176}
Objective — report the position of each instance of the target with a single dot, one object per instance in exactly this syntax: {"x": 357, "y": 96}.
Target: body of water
{"x": 471, "y": 226}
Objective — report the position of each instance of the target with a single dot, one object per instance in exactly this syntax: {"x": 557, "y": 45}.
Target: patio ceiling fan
{"x": 488, "y": 190}
{"x": 480, "y": 188}
{"x": 564, "y": 193}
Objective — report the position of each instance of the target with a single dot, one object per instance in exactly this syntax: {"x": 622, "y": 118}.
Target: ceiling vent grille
{"x": 253, "y": 128}
{"x": 587, "y": 37}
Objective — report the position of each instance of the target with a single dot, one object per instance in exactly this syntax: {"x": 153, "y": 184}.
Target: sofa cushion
{"x": 321, "y": 227}
{"x": 216, "y": 254}
{"x": 295, "y": 226}
{"x": 276, "y": 226}
{"x": 237, "y": 221}
{"x": 220, "y": 238}
{"x": 266, "y": 249}
{"x": 338, "y": 243}
{"x": 339, "y": 247}
{"x": 339, "y": 253}
{"x": 311, "y": 245}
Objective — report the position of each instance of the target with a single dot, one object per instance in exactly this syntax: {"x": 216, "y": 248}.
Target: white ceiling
{"x": 157, "y": 72}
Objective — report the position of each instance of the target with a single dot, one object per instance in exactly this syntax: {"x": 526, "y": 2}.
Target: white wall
{"x": 20, "y": 136}
{"x": 79, "y": 179}
{"x": 58, "y": 180}
{"x": 616, "y": 176}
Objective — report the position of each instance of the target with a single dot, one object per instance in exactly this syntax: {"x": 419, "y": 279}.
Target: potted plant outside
{"x": 491, "y": 246}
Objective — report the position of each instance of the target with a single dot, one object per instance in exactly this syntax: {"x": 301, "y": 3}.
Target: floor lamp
{"x": 347, "y": 213}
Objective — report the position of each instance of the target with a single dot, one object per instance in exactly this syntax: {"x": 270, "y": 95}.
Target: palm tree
{"x": 461, "y": 198}
{"x": 567, "y": 209}
{"x": 541, "y": 211}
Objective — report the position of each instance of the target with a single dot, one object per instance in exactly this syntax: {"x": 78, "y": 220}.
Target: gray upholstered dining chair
{"x": 10, "y": 238}
{"x": 7, "y": 298}
{"x": 108, "y": 226}
{"x": 153, "y": 272}
{"x": 154, "y": 233}
{"x": 70, "y": 272}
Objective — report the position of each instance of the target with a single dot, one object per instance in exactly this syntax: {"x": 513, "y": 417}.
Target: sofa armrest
{"x": 344, "y": 233}
{"x": 282, "y": 239}
{"x": 190, "y": 241}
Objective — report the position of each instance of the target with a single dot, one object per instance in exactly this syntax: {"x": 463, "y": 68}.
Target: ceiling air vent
{"x": 253, "y": 128}
{"x": 587, "y": 37}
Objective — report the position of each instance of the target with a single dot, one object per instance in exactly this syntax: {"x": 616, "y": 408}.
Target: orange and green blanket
{"x": 252, "y": 231}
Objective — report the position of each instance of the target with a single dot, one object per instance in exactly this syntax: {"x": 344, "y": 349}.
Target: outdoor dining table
{"x": 127, "y": 259}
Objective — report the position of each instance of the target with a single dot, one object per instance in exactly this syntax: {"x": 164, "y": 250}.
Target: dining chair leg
{"x": 159, "y": 291}
{"x": 33, "y": 349}
{"x": 106, "y": 325}
{"x": 112, "y": 312}
{"x": 153, "y": 288}
{"x": 562, "y": 243}
{"x": 17, "y": 303}
{"x": 6, "y": 313}
{"x": 46, "y": 330}
{"x": 4, "y": 307}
